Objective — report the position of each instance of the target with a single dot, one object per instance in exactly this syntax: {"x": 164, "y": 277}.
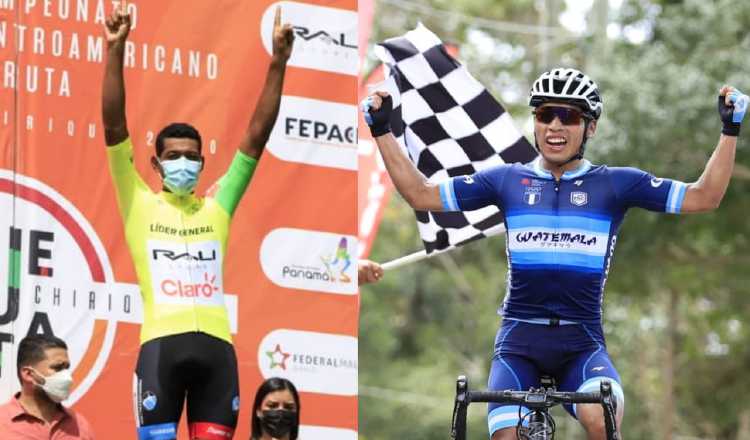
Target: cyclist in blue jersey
{"x": 562, "y": 214}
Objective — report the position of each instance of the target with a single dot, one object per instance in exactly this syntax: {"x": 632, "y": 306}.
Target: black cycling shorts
{"x": 192, "y": 366}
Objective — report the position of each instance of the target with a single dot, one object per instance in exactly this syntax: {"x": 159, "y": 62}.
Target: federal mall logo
{"x": 278, "y": 358}
{"x": 316, "y": 362}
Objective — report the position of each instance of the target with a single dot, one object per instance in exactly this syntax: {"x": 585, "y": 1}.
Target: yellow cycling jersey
{"x": 178, "y": 245}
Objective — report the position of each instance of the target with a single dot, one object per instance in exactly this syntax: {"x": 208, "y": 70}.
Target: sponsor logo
{"x": 525, "y": 181}
{"x": 173, "y": 256}
{"x": 236, "y": 403}
{"x": 216, "y": 431}
{"x": 325, "y": 38}
{"x": 177, "y": 288}
{"x": 556, "y": 239}
{"x": 315, "y": 362}
{"x": 309, "y": 260}
{"x": 656, "y": 182}
{"x": 311, "y": 432}
{"x": 579, "y": 198}
{"x": 578, "y": 183}
{"x": 468, "y": 180}
{"x": 186, "y": 272}
{"x": 597, "y": 368}
{"x": 278, "y": 357}
{"x": 532, "y": 195}
{"x": 149, "y": 401}
{"x": 315, "y": 132}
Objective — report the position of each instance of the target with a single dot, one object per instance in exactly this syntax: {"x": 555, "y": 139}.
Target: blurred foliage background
{"x": 677, "y": 301}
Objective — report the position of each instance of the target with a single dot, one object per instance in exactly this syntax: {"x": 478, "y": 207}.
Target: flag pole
{"x": 423, "y": 255}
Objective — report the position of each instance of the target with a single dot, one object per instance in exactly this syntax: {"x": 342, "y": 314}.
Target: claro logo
{"x": 315, "y": 132}
{"x": 205, "y": 289}
{"x": 326, "y": 38}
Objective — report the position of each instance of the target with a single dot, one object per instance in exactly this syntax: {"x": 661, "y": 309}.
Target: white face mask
{"x": 57, "y": 386}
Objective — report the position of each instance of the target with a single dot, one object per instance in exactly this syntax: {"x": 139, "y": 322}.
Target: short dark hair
{"x": 177, "y": 130}
{"x": 31, "y": 350}
{"x": 269, "y": 386}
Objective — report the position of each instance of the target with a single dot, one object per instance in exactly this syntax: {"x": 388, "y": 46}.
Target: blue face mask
{"x": 180, "y": 175}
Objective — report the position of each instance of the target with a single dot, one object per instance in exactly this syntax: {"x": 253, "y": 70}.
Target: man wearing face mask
{"x": 35, "y": 412}
{"x": 178, "y": 242}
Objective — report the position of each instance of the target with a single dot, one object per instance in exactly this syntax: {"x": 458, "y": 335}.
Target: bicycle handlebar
{"x": 534, "y": 399}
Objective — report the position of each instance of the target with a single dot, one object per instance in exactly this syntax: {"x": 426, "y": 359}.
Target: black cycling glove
{"x": 378, "y": 120}
{"x": 731, "y": 115}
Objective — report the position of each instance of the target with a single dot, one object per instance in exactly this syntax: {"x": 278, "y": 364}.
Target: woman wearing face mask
{"x": 276, "y": 411}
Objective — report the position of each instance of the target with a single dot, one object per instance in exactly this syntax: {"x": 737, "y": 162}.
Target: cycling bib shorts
{"x": 575, "y": 355}
{"x": 193, "y": 367}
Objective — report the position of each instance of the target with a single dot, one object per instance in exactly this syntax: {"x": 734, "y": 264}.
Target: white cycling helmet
{"x": 570, "y": 86}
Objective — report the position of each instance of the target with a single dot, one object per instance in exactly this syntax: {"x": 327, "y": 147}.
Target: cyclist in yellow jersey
{"x": 178, "y": 242}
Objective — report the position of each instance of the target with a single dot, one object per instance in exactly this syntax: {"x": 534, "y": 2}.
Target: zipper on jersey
{"x": 557, "y": 182}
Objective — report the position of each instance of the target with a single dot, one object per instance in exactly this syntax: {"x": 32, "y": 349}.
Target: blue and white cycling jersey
{"x": 560, "y": 235}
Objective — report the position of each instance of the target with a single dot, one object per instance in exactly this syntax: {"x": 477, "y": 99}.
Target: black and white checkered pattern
{"x": 449, "y": 125}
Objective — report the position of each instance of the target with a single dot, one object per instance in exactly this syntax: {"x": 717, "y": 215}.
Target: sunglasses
{"x": 567, "y": 116}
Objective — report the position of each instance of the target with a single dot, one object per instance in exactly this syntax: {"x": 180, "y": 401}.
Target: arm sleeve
{"x": 467, "y": 193}
{"x": 124, "y": 175}
{"x": 637, "y": 188}
{"x": 228, "y": 190}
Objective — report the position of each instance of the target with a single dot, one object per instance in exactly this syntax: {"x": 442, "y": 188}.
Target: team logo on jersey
{"x": 579, "y": 198}
{"x": 532, "y": 195}
{"x": 656, "y": 182}
{"x": 149, "y": 401}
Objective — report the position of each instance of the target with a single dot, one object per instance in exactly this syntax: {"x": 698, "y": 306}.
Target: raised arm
{"x": 267, "y": 107}
{"x": 413, "y": 186}
{"x": 706, "y": 193}
{"x": 116, "y": 30}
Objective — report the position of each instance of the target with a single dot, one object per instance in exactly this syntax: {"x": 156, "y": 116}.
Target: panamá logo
{"x": 579, "y": 198}
{"x": 325, "y": 38}
{"x": 310, "y": 260}
{"x": 338, "y": 262}
{"x": 316, "y": 362}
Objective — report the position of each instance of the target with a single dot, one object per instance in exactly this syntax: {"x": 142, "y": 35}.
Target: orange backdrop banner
{"x": 290, "y": 271}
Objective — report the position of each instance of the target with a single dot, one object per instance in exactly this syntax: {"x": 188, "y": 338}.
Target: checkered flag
{"x": 449, "y": 125}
